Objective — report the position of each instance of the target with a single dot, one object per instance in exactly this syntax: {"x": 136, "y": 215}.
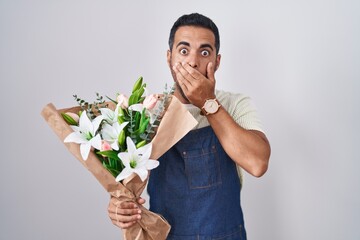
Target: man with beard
{"x": 197, "y": 185}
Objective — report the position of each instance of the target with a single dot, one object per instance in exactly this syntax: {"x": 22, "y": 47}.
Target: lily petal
{"x": 115, "y": 145}
{"x": 75, "y": 128}
{"x": 143, "y": 173}
{"x": 96, "y": 142}
{"x": 75, "y": 137}
{"x": 151, "y": 164}
{"x": 124, "y": 156}
{"x": 121, "y": 126}
{"x": 124, "y": 174}
{"x": 85, "y": 150}
{"x": 96, "y": 123}
{"x": 84, "y": 121}
{"x": 108, "y": 114}
{"x": 108, "y": 132}
{"x": 130, "y": 145}
{"x": 137, "y": 107}
{"x": 146, "y": 151}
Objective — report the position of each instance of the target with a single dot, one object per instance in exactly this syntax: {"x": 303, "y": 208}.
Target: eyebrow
{"x": 205, "y": 45}
{"x": 183, "y": 43}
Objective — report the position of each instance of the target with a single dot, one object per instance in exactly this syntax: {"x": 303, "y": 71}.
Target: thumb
{"x": 140, "y": 200}
{"x": 210, "y": 71}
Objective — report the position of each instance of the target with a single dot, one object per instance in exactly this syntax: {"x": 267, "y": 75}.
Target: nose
{"x": 193, "y": 60}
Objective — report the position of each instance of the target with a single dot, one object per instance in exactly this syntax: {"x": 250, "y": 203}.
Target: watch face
{"x": 211, "y": 106}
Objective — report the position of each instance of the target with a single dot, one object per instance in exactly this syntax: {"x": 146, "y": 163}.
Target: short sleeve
{"x": 242, "y": 109}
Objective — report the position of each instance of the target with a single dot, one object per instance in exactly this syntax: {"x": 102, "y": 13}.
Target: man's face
{"x": 195, "y": 46}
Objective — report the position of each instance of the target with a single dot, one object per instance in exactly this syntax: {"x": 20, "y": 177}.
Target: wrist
{"x": 211, "y": 106}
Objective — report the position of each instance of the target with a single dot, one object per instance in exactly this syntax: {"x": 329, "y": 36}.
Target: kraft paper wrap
{"x": 175, "y": 124}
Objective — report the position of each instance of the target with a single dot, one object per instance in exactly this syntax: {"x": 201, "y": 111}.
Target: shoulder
{"x": 230, "y": 100}
{"x": 241, "y": 108}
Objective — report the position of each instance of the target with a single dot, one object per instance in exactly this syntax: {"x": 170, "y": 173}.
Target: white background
{"x": 298, "y": 60}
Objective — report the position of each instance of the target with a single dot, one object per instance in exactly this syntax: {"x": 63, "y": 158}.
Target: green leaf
{"x": 143, "y": 116}
{"x": 137, "y": 119}
{"x": 113, "y": 171}
{"x": 109, "y": 154}
{"x": 112, "y": 100}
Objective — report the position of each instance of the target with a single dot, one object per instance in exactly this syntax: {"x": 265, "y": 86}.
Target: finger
{"x": 195, "y": 74}
{"x": 129, "y": 207}
{"x": 141, "y": 201}
{"x": 210, "y": 71}
{"x": 182, "y": 74}
{"x": 180, "y": 82}
{"x": 127, "y": 211}
{"x": 183, "y": 87}
{"x": 124, "y": 218}
{"x": 123, "y": 211}
{"x": 123, "y": 225}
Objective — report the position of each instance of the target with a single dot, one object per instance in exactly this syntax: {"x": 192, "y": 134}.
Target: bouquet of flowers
{"x": 121, "y": 136}
{"x": 120, "y": 140}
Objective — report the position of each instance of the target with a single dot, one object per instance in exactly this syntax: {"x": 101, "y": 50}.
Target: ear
{"x": 217, "y": 62}
{"x": 168, "y": 57}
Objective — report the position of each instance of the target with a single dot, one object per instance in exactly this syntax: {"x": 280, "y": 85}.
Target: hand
{"x": 126, "y": 214}
{"x": 196, "y": 87}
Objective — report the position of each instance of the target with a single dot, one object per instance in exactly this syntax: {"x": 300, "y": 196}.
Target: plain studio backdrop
{"x": 298, "y": 60}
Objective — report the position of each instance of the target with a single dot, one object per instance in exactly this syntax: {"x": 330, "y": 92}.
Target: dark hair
{"x": 195, "y": 19}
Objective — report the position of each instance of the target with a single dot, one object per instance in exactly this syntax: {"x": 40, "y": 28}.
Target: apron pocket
{"x": 202, "y": 167}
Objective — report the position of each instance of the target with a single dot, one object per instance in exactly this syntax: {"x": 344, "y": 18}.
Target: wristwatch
{"x": 211, "y": 106}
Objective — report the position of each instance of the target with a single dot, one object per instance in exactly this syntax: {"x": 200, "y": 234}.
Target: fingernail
{"x": 139, "y": 211}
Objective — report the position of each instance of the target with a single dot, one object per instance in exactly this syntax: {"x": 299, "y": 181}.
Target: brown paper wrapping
{"x": 175, "y": 124}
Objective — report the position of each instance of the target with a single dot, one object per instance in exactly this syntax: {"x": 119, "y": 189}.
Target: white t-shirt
{"x": 239, "y": 106}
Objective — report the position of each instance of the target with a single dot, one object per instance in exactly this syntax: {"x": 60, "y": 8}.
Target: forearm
{"x": 248, "y": 148}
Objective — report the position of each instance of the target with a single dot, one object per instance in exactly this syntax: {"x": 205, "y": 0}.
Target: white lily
{"x": 85, "y": 134}
{"x": 110, "y": 133}
{"x": 109, "y": 115}
{"x": 136, "y": 161}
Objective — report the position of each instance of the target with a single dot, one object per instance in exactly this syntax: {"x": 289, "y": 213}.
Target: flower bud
{"x": 150, "y": 101}
{"x": 105, "y": 146}
{"x": 141, "y": 144}
{"x": 121, "y": 138}
{"x": 123, "y": 101}
{"x": 74, "y": 116}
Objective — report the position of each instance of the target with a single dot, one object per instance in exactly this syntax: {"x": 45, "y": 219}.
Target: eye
{"x": 205, "y": 53}
{"x": 183, "y": 51}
